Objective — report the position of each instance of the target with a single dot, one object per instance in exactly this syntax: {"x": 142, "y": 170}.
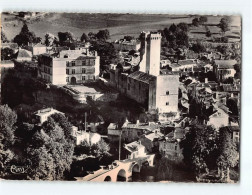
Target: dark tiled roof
{"x": 141, "y": 76}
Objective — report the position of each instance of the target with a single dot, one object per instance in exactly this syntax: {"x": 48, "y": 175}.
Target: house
{"x": 135, "y": 150}
{"x": 171, "y": 149}
{"x": 150, "y": 140}
{"x": 128, "y": 45}
{"x": 234, "y": 131}
{"x": 23, "y": 55}
{"x": 69, "y": 67}
{"x": 132, "y": 132}
{"x": 183, "y": 65}
{"x": 114, "y": 132}
{"x": 224, "y": 69}
{"x": 88, "y": 137}
{"x": 219, "y": 118}
{"x": 38, "y": 49}
{"x": 42, "y": 115}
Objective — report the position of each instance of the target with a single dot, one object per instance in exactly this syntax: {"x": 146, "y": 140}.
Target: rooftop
{"x": 225, "y": 64}
{"x": 133, "y": 146}
{"x": 23, "y": 53}
{"x": 141, "y": 76}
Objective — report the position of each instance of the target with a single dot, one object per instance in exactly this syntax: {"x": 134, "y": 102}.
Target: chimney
{"x": 206, "y": 80}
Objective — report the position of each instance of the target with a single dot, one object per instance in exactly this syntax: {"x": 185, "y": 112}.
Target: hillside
{"x": 117, "y": 24}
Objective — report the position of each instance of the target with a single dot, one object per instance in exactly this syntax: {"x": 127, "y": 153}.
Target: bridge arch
{"x": 107, "y": 178}
{"x": 135, "y": 168}
{"x": 121, "y": 175}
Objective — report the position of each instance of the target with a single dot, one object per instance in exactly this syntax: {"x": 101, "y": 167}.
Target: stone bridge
{"x": 119, "y": 170}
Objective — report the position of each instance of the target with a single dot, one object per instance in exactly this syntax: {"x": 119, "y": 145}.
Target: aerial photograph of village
{"x": 109, "y": 97}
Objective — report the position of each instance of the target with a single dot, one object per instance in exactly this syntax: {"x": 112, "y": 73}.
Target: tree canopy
{"x": 26, "y": 36}
{"x": 49, "y": 153}
{"x": 224, "y": 24}
{"x": 8, "y": 119}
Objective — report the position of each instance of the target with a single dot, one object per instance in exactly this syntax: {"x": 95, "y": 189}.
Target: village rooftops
{"x": 144, "y": 126}
{"x": 133, "y": 146}
{"x": 230, "y": 88}
{"x": 47, "y": 111}
{"x": 154, "y": 135}
{"x": 113, "y": 126}
{"x": 141, "y": 76}
{"x": 225, "y": 64}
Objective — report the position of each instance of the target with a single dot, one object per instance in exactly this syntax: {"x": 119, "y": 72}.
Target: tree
{"x": 92, "y": 36}
{"x": 183, "y": 26}
{"x": 98, "y": 150}
{"x": 7, "y": 53}
{"x": 103, "y": 35}
{"x": 65, "y": 37}
{"x": 8, "y": 119}
{"x": 165, "y": 169}
{"x": 173, "y": 28}
{"x": 84, "y": 37}
{"x": 49, "y": 152}
{"x": 228, "y": 154}
{"x": 50, "y": 39}
{"x": 198, "y": 144}
{"x": 224, "y": 24}
{"x": 128, "y": 38}
{"x": 182, "y": 39}
{"x": 64, "y": 124}
{"x": 195, "y": 22}
{"x": 26, "y": 36}
{"x": 202, "y": 19}
{"x": 198, "y": 47}
{"x": 232, "y": 105}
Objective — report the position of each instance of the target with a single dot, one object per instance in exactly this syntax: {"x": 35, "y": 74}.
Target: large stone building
{"x": 154, "y": 90}
{"x": 69, "y": 67}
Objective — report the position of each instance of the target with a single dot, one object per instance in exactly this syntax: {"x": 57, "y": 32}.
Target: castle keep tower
{"x": 151, "y": 46}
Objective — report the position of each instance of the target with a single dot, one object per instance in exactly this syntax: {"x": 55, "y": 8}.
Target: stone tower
{"x": 151, "y": 46}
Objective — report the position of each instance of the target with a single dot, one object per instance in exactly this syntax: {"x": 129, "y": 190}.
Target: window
{"x": 94, "y": 77}
{"x": 73, "y": 71}
{"x": 67, "y": 79}
{"x": 83, "y": 70}
{"x": 176, "y": 147}
{"x": 167, "y": 103}
{"x": 67, "y": 63}
{"x": 83, "y": 78}
{"x": 67, "y": 71}
{"x": 128, "y": 86}
{"x": 73, "y": 63}
{"x": 83, "y": 62}
{"x": 167, "y": 92}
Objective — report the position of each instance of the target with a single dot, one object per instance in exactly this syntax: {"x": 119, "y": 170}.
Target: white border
{"x": 209, "y": 7}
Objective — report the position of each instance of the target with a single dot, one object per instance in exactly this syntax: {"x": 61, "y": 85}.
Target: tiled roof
{"x": 186, "y": 62}
{"x": 141, "y": 76}
{"x": 225, "y": 64}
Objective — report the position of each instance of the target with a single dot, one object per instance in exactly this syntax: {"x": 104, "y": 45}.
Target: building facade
{"x": 69, "y": 69}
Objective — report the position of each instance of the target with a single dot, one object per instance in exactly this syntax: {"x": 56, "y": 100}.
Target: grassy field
{"x": 117, "y": 24}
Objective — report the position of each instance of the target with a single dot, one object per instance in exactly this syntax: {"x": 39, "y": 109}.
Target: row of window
{"x": 83, "y": 63}
{"x": 83, "y": 78}
{"x": 83, "y": 71}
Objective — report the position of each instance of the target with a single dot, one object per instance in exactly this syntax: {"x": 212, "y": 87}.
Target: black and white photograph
{"x": 120, "y": 97}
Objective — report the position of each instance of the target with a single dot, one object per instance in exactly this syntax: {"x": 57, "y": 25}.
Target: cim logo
{"x": 18, "y": 169}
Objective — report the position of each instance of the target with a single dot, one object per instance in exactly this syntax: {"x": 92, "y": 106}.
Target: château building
{"x": 69, "y": 67}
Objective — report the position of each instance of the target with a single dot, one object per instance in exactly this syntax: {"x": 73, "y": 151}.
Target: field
{"x": 117, "y": 24}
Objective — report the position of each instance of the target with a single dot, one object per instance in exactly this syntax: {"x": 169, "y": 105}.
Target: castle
{"x": 155, "y": 90}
